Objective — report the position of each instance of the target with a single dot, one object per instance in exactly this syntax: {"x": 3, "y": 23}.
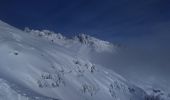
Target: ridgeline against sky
{"x": 106, "y": 19}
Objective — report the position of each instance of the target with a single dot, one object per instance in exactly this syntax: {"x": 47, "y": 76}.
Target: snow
{"x": 32, "y": 67}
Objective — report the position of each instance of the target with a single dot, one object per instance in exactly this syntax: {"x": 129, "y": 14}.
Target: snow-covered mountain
{"x": 44, "y": 65}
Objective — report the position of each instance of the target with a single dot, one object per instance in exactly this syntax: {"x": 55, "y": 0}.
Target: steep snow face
{"x": 32, "y": 68}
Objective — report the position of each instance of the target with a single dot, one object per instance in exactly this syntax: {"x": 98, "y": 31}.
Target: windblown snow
{"x": 43, "y": 65}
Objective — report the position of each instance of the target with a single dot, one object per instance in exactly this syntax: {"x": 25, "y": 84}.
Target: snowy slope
{"x": 34, "y": 68}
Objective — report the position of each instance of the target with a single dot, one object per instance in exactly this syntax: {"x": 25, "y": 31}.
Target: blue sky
{"x": 107, "y": 19}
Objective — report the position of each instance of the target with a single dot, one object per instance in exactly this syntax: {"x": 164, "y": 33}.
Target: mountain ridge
{"x": 84, "y": 39}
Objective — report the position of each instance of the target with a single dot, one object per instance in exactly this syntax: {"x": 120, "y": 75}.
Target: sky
{"x": 112, "y": 20}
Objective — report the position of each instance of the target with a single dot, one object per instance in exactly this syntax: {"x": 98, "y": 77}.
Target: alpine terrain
{"x": 43, "y": 65}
